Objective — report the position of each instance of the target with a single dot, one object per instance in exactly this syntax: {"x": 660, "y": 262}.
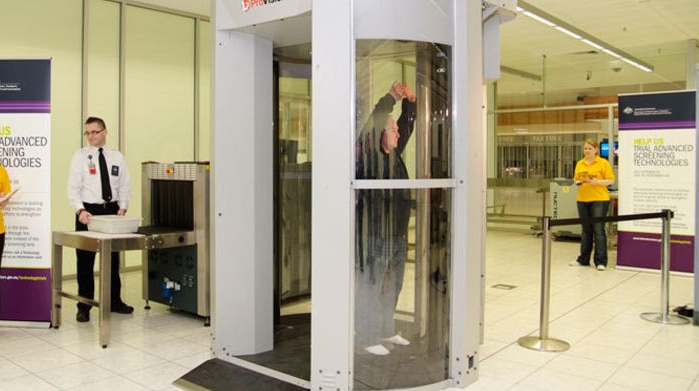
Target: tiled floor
{"x": 148, "y": 350}
{"x": 597, "y": 313}
{"x": 612, "y": 348}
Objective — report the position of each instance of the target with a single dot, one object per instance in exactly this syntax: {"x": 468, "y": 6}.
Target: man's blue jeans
{"x": 592, "y": 232}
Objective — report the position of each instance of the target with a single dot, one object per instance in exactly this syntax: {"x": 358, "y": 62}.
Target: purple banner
{"x": 25, "y": 107}
{"x": 667, "y": 110}
{"x": 657, "y": 140}
{"x": 25, "y": 130}
{"x": 646, "y": 250}
{"x": 25, "y": 81}
{"x": 20, "y": 301}
{"x": 658, "y": 125}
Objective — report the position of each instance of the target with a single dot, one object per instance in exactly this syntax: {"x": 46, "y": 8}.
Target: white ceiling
{"x": 655, "y": 31}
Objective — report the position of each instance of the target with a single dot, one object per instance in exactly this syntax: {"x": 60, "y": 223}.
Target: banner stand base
{"x": 25, "y": 324}
{"x": 657, "y": 317}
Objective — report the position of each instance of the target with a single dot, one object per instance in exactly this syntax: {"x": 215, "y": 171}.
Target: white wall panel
{"x": 242, "y": 206}
{"x": 159, "y": 94}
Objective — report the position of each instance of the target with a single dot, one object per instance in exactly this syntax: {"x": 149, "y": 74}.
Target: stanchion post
{"x": 543, "y": 342}
{"x": 545, "y": 280}
{"x": 664, "y": 316}
{"x": 665, "y": 263}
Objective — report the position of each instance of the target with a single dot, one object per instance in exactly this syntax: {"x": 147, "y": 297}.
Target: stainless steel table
{"x": 104, "y": 245}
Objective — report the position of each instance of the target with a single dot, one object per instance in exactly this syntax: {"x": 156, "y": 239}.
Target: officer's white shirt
{"x": 84, "y": 184}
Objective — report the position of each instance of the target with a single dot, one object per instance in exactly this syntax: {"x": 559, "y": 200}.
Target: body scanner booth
{"x": 371, "y": 114}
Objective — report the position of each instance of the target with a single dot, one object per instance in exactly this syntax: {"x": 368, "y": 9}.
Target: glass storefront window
{"x": 535, "y": 148}
{"x": 402, "y": 236}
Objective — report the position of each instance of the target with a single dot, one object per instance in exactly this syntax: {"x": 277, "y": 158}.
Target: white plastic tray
{"x": 113, "y": 224}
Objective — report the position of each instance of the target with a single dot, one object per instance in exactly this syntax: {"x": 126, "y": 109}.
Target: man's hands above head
{"x": 399, "y": 91}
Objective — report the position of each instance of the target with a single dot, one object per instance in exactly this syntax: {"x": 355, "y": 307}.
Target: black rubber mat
{"x": 219, "y": 375}
{"x": 419, "y": 364}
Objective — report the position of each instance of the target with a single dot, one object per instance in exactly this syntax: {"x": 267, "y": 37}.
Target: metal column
{"x": 422, "y": 170}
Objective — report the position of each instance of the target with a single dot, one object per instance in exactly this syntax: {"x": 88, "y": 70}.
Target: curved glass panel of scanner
{"x": 402, "y": 234}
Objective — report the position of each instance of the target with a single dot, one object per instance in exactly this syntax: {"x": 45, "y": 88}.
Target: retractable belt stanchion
{"x": 543, "y": 342}
{"x": 664, "y": 316}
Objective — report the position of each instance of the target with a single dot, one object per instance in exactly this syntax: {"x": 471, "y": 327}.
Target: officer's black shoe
{"x": 83, "y": 316}
{"x": 122, "y": 308}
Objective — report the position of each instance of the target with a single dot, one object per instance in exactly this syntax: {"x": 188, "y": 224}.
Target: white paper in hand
{"x": 9, "y": 195}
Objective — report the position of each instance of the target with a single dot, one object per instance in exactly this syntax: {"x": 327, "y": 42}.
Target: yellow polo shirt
{"x": 4, "y": 188}
{"x": 598, "y": 169}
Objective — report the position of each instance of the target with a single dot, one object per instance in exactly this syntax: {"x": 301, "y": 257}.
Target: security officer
{"x": 99, "y": 184}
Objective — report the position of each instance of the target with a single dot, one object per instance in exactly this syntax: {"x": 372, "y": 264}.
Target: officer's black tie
{"x": 104, "y": 178}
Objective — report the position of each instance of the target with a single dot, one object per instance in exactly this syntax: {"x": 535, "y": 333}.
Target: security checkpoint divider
{"x": 543, "y": 342}
{"x": 664, "y": 316}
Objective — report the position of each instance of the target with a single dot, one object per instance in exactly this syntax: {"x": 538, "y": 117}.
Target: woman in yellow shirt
{"x": 593, "y": 174}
